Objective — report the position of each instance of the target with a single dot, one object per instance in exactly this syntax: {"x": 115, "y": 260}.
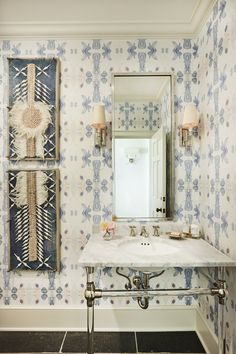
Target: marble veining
{"x": 186, "y": 253}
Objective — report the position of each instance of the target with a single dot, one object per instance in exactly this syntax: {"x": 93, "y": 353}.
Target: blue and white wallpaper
{"x": 217, "y": 179}
{"x": 144, "y": 115}
{"x": 136, "y": 116}
{"x": 205, "y": 177}
{"x": 86, "y": 173}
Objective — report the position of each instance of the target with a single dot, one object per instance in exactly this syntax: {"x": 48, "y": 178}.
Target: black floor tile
{"x": 75, "y": 342}
{"x": 173, "y": 342}
{"x": 104, "y": 342}
{"x": 26, "y": 342}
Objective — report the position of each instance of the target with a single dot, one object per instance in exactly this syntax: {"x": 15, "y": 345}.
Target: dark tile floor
{"x": 23, "y": 342}
{"x": 173, "y": 342}
{"x": 104, "y": 342}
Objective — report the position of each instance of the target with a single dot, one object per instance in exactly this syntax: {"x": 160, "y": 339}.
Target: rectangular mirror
{"x": 142, "y": 140}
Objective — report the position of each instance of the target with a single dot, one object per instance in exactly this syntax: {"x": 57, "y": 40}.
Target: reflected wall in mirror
{"x": 142, "y": 132}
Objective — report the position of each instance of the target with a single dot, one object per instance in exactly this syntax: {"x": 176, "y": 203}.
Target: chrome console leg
{"x": 221, "y": 311}
{"x": 90, "y": 328}
{"x": 89, "y": 295}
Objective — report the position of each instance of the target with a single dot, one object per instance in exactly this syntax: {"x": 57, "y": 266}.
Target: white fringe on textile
{"x": 20, "y": 146}
{"x": 21, "y": 188}
{"x": 23, "y": 132}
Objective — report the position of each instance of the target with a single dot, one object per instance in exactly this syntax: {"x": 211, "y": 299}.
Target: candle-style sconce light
{"x": 99, "y": 124}
{"x": 189, "y": 126}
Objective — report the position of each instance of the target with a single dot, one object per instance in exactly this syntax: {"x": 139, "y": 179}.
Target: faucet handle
{"x": 156, "y": 229}
{"x": 132, "y": 231}
{"x": 143, "y": 231}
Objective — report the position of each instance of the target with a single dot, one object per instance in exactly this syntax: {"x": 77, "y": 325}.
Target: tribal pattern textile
{"x": 33, "y": 107}
{"x": 33, "y": 219}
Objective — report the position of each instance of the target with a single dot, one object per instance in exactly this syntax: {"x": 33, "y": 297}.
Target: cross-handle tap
{"x": 132, "y": 231}
{"x": 156, "y": 229}
{"x": 144, "y": 232}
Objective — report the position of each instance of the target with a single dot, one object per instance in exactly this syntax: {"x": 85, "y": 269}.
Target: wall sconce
{"x": 99, "y": 123}
{"x": 131, "y": 157}
{"x": 189, "y": 125}
{"x": 131, "y": 154}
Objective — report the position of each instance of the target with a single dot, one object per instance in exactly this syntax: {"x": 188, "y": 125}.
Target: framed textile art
{"x": 33, "y": 108}
{"x": 34, "y": 219}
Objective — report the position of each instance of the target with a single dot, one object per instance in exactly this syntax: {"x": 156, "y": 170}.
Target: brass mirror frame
{"x": 171, "y": 191}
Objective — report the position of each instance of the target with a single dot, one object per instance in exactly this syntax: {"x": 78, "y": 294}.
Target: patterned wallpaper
{"x": 86, "y": 173}
{"x": 144, "y": 115}
{"x": 217, "y": 180}
{"x": 204, "y": 72}
{"x": 136, "y": 116}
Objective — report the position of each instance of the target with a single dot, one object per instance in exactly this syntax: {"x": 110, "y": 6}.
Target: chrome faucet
{"x": 156, "y": 230}
{"x": 144, "y": 232}
{"x": 132, "y": 231}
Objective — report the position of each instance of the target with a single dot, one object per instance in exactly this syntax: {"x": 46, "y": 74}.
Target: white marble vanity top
{"x": 176, "y": 253}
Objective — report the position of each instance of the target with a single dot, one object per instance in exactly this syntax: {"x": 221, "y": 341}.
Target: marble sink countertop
{"x": 187, "y": 253}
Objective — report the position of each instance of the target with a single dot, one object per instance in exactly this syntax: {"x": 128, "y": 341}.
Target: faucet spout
{"x": 144, "y": 232}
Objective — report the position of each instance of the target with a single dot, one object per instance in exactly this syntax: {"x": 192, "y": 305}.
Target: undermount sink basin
{"x": 148, "y": 247}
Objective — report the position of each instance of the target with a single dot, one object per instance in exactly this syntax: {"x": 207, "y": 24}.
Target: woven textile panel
{"x": 34, "y": 219}
{"x": 33, "y": 108}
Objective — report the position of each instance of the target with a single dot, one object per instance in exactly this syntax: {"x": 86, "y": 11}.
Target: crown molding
{"x": 26, "y": 30}
{"x": 202, "y": 21}
{"x": 190, "y": 28}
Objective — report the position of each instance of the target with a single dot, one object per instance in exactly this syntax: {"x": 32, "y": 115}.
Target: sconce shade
{"x": 190, "y": 117}
{"x": 99, "y": 121}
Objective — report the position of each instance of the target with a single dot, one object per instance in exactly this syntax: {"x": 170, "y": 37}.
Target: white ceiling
{"x": 103, "y": 17}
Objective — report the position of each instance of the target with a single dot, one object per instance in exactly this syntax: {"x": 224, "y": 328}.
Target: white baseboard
{"x": 161, "y": 319}
{"x": 206, "y": 336}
